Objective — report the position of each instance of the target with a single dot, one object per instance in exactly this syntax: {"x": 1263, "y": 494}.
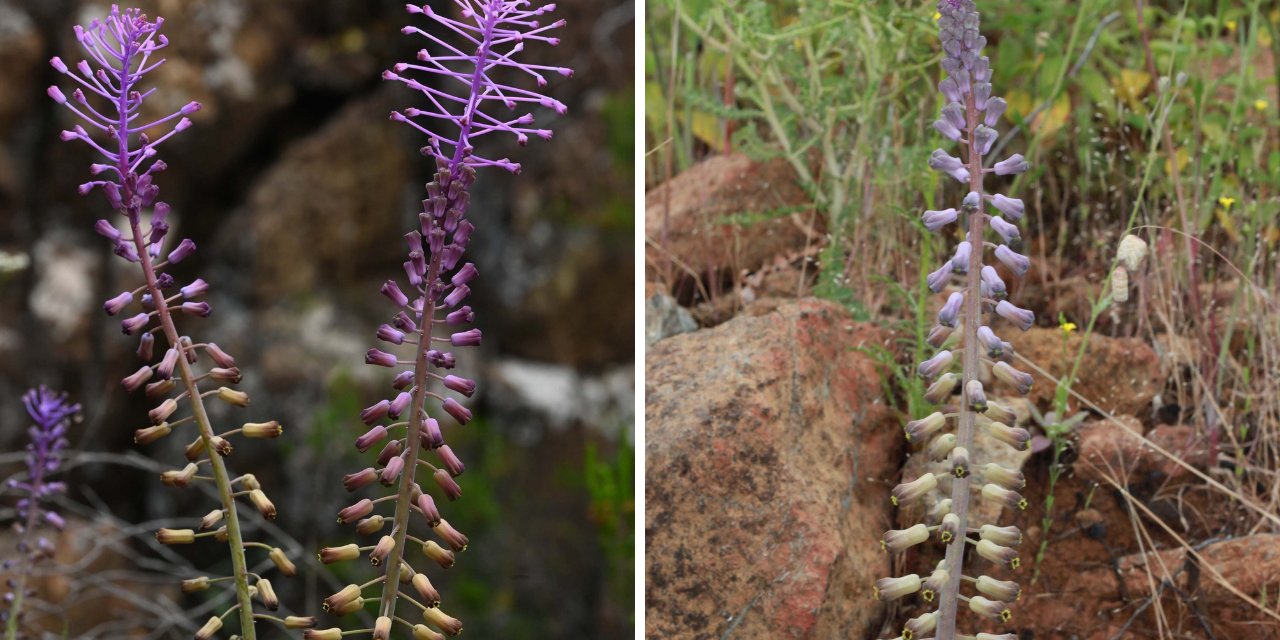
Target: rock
{"x": 726, "y": 214}
{"x": 1106, "y": 450}
{"x": 21, "y": 55}
{"x": 769, "y": 455}
{"x": 1250, "y": 564}
{"x": 1120, "y": 375}
{"x": 322, "y": 201}
{"x": 663, "y": 318}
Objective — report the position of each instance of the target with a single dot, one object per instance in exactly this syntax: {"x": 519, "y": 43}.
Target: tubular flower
{"x": 969, "y": 116}
{"x": 460, "y": 102}
{"x": 887, "y": 589}
{"x": 121, "y": 52}
{"x": 898, "y": 540}
{"x": 1002, "y": 590}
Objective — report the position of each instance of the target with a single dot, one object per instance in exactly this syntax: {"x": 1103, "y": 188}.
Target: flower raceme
{"x": 51, "y": 414}
{"x": 108, "y": 99}
{"x": 969, "y": 117}
{"x": 465, "y": 51}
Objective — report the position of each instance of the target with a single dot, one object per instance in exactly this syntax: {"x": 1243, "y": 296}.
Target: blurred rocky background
{"x": 297, "y": 189}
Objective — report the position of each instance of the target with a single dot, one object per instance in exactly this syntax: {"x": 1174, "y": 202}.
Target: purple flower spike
{"x": 122, "y": 50}
{"x": 52, "y": 414}
{"x": 494, "y": 31}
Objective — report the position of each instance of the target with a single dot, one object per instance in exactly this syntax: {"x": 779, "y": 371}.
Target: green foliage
{"x": 610, "y": 483}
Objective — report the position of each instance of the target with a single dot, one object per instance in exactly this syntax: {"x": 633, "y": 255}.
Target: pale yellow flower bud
{"x": 888, "y": 589}
{"x": 898, "y": 540}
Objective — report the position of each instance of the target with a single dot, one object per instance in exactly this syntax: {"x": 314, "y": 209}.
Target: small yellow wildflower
{"x": 1260, "y": 105}
{"x": 1231, "y": 26}
{"x": 1226, "y": 202}
{"x": 937, "y": 15}
{"x": 1068, "y": 327}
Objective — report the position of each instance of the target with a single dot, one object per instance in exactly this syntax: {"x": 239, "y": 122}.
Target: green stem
{"x": 235, "y": 542}
{"x": 20, "y": 584}
{"x": 413, "y": 443}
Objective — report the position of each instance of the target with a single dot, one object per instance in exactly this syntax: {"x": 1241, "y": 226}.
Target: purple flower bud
{"x": 135, "y": 324}
{"x": 461, "y": 385}
{"x": 441, "y": 360}
{"x": 392, "y": 291}
{"x": 984, "y": 137}
{"x": 146, "y": 345}
{"x": 459, "y": 412}
{"x": 462, "y": 315}
{"x": 1017, "y": 263}
{"x": 219, "y": 356}
{"x": 1011, "y": 207}
{"x": 447, "y": 484}
{"x": 107, "y": 230}
{"x": 934, "y": 220}
{"x": 376, "y": 412}
{"x": 391, "y": 471}
{"x": 989, "y": 341}
{"x": 1017, "y": 379}
{"x": 950, "y": 90}
{"x": 992, "y": 285}
{"x": 468, "y": 338}
{"x": 995, "y": 109}
{"x": 403, "y": 380}
{"x": 951, "y": 310}
{"x": 167, "y": 363}
{"x": 427, "y": 505}
{"x": 388, "y": 333}
{"x": 981, "y": 93}
{"x": 954, "y": 114}
{"x": 355, "y": 511}
{"x": 938, "y": 336}
{"x": 201, "y": 309}
{"x": 1012, "y": 165}
{"x": 1020, "y": 317}
{"x": 137, "y": 379}
{"x": 118, "y": 303}
{"x": 197, "y": 288}
{"x": 380, "y": 358}
{"x": 937, "y": 365}
{"x": 457, "y": 296}
{"x": 126, "y": 250}
{"x": 431, "y": 435}
{"x": 164, "y": 281}
{"x": 464, "y": 275}
{"x": 370, "y": 438}
{"x": 946, "y": 163}
{"x": 182, "y": 251}
{"x": 403, "y": 322}
{"x": 359, "y": 479}
{"x": 463, "y": 234}
{"x": 960, "y": 261}
{"x": 1007, "y": 230}
{"x": 399, "y": 405}
{"x": 937, "y": 280}
{"x": 55, "y": 520}
{"x": 450, "y": 256}
{"x": 391, "y": 450}
{"x": 947, "y": 129}
{"x": 450, "y": 461}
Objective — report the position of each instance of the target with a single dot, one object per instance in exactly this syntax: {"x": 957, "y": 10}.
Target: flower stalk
{"x": 119, "y": 50}
{"x": 969, "y": 117}
{"x": 492, "y": 32}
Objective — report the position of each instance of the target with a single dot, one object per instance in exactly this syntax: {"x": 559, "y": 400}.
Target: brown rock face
{"x": 769, "y": 455}
{"x": 726, "y": 213}
{"x": 326, "y": 202}
{"x": 1120, "y": 375}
